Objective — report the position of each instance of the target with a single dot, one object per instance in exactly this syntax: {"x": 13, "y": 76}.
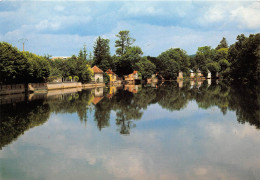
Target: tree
{"x": 126, "y": 64}
{"x": 39, "y": 67}
{"x": 244, "y": 57}
{"x": 223, "y": 44}
{"x": 174, "y": 58}
{"x": 102, "y": 57}
{"x": 204, "y": 56}
{"x": 14, "y": 66}
{"x": 146, "y": 68}
{"x": 168, "y": 67}
{"x": 21, "y": 67}
{"x": 85, "y": 52}
{"x": 124, "y": 42}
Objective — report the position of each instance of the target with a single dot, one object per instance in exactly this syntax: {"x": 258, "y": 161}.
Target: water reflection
{"x": 171, "y": 131}
{"x": 128, "y": 103}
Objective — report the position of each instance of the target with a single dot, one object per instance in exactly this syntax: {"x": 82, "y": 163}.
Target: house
{"x": 153, "y": 79}
{"x": 59, "y": 57}
{"x": 180, "y": 76}
{"x": 209, "y": 75}
{"x": 98, "y": 75}
{"x": 192, "y": 74}
{"x": 199, "y": 73}
{"x": 132, "y": 77}
{"x": 112, "y": 76}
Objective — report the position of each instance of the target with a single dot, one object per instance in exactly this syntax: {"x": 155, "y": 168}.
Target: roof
{"x": 109, "y": 71}
{"x": 135, "y": 72}
{"x": 97, "y": 99}
{"x": 96, "y": 70}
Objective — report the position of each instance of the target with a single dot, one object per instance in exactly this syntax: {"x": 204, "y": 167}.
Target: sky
{"x": 61, "y": 28}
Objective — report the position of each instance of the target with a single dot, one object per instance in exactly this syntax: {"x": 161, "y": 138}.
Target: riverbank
{"x": 42, "y": 87}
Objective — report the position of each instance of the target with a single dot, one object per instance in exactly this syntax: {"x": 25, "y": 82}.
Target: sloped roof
{"x": 109, "y": 71}
{"x": 135, "y": 72}
{"x": 97, "y": 99}
{"x": 97, "y": 70}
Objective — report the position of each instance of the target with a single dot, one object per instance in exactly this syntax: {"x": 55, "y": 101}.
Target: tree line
{"x": 239, "y": 61}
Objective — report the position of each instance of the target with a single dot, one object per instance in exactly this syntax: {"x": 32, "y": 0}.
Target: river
{"x": 158, "y": 131}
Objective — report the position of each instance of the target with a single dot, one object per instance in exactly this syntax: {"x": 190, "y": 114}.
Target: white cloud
{"x": 247, "y": 17}
{"x": 45, "y": 24}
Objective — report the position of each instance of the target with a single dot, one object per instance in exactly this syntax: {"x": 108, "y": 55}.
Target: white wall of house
{"x": 98, "y": 76}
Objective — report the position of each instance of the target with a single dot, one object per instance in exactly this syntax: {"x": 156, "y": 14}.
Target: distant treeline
{"x": 239, "y": 61}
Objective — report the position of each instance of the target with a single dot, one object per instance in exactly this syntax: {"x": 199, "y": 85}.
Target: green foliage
{"x": 208, "y": 59}
{"x": 21, "y": 67}
{"x": 170, "y": 62}
{"x": 102, "y": 57}
{"x": 39, "y": 67}
{"x": 244, "y": 57}
{"x": 124, "y": 42}
{"x": 76, "y": 78}
{"x": 14, "y": 66}
{"x": 127, "y": 63}
{"x": 146, "y": 68}
{"x": 223, "y": 44}
{"x": 73, "y": 66}
{"x": 106, "y": 78}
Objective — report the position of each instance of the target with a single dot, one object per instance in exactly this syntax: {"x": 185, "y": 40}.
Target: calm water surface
{"x": 168, "y": 131}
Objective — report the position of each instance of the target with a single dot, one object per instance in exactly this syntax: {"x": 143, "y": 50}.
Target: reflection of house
{"x": 192, "y": 83}
{"x": 98, "y": 91}
{"x": 112, "y": 76}
{"x": 209, "y": 82}
{"x": 131, "y": 77}
{"x": 112, "y": 91}
{"x": 180, "y": 83}
{"x": 98, "y": 75}
{"x": 96, "y": 100}
{"x": 132, "y": 88}
{"x": 199, "y": 73}
{"x": 98, "y": 94}
{"x": 153, "y": 79}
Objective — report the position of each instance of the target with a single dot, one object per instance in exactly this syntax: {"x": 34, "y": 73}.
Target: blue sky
{"x": 60, "y": 28}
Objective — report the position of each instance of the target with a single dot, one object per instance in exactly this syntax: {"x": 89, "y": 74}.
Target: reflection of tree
{"x": 69, "y": 103}
{"x": 15, "y": 119}
{"x": 102, "y": 113}
{"x": 124, "y": 123}
{"x": 245, "y": 101}
{"x": 171, "y": 97}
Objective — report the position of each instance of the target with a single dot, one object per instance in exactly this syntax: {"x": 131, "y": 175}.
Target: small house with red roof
{"x": 98, "y": 75}
{"x": 112, "y": 76}
{"x": 132, "y": 77}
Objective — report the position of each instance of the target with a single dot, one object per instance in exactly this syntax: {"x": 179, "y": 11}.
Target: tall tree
{"x": 102, "y": 54}
{"x": 85, "y": 52}
{"x": 124, "y": 42}
{"x": 244, "y": 57}
{"x": 177, "y": 59}
{"x": 127, "y": 62}
{"x": 223, "y": 44}
{"x": 146, "y": 68}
